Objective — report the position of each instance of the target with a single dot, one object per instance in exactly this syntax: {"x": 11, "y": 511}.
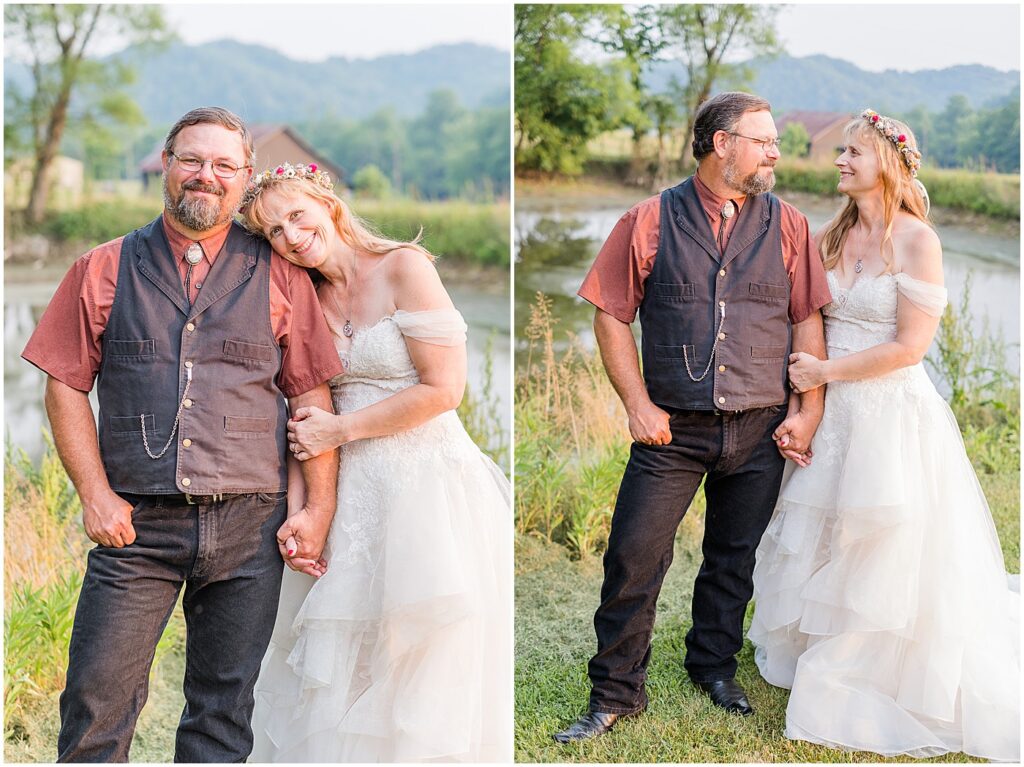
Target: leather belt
{"x": 198, "y": 500}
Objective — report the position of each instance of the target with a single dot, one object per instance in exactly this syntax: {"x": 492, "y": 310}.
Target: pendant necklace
{"x": 346, "y": 329}
{"x": 859, "y": 266}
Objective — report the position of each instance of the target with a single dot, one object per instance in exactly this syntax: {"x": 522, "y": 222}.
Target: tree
{"x": 794, "y": 141}
{"x": 55, "y": 42}
{"x": 635, "y": 35}
{"x": 701, "y": 36}
{"x": 561, "y": 102}
{"x": 369, "y": 181}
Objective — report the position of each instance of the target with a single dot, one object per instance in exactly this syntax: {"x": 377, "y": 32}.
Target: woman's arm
{"x": 915, "y": 328}
{"x": 441, "y": 369}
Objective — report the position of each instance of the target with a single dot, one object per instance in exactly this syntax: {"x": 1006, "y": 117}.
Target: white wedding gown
{"x": 402, "y": 651}
{"x": 881, "y": 596}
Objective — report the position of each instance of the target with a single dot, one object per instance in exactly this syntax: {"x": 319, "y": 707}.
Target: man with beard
{"x": 727, "y": 282}
{"x": 195, "y": 336}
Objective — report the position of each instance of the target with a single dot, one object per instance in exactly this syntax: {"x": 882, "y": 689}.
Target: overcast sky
{"x": 905, "y": 37}
{"x": 316, "y": 32}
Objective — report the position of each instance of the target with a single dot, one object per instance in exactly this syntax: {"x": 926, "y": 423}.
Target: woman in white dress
{"x": 398, "y": 649}
{"x": 881, "y": 595}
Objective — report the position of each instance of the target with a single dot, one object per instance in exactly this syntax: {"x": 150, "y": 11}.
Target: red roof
{"x": 815, "y": 122}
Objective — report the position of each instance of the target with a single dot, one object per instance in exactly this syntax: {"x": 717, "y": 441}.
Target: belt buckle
{"x": 215, "y": 498}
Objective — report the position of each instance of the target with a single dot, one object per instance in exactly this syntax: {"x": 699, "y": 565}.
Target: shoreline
{"x": 534, "y": 195}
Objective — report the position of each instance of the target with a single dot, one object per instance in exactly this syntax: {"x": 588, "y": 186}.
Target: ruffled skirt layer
{"x": 882, "y": 598}
{"x": 401, "y": 652}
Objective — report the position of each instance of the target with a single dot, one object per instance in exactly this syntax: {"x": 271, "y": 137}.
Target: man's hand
{"x": 301, "y": 540}
{"x": 793, "y": 438}
{"x": 648, "y": 424}
{"x": 108, "y": 520}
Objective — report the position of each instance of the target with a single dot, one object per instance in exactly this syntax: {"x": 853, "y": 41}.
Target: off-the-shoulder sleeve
{"x": 926, "y": 296}
{"x": 443, "y": 327}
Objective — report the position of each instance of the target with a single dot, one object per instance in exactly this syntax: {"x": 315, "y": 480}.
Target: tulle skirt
{"x": 882, "y": 599}
{"x": 401, "y": 652}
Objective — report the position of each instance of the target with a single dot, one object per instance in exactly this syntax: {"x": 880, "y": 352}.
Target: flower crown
{"x": 285, "y": 171}
{"x": 885, "y": 126}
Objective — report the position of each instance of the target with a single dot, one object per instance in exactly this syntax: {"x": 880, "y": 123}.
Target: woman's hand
{"x": 312, "y": 431}
{"x": 806, "y": 371}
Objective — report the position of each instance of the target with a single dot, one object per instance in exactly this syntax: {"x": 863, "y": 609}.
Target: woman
{"x": 882, "y": 599}
{"x": 400, "y": 648}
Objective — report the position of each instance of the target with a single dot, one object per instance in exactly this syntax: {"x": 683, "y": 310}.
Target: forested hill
{"x": 827, "y": 84}
{"x": 267, "y": 86}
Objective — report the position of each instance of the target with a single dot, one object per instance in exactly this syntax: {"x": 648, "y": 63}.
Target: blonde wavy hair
{"x": 900, "y": 191}
{"x": 352, "y": 230}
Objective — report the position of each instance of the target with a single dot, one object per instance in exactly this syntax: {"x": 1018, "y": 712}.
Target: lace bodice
{"x": 859, "y": 317}
{"x": 864, "y": 314}
{"x": 377, "y": 364}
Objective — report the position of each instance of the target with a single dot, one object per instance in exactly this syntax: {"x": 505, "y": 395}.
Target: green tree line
{"x": 567, "y": 95}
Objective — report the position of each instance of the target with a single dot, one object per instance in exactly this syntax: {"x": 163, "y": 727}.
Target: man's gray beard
{"x": 753, "y": 183}
{"x": 198, "y": 214}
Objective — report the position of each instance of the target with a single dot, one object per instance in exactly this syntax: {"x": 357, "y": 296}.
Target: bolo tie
{"x": 193, "y": 255}
{"x": 728, "y": 210}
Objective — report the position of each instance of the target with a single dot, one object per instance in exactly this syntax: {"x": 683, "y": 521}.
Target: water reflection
{"x": 556, "y": 248}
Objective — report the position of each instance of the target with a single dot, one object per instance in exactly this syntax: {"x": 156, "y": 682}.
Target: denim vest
{"x": 690, "y": 287}
{"x": 231, "y": 422}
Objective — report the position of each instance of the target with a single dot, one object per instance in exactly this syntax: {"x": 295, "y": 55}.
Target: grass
{"x": 44, "y": 559}
{"x": 555, "y": 601}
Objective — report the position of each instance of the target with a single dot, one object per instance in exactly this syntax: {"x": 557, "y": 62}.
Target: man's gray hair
{"x": 213, "y": 116}
{"x": 722, "y": 113}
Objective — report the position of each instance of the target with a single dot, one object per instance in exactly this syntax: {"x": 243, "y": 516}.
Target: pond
{"x": 556, "y": 244}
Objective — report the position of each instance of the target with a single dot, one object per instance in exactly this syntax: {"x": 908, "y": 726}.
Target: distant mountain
{"x": 822, "y": 83}
{"x": 263, "y": 85}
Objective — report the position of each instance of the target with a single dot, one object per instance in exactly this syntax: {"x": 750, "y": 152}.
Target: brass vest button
{"x": 721, "y": 401}
{"x": 190, "y": 327}
{"x": 721, "y": 368}
{"x": 186, "y": 482}
{"x": 186, "y": 442}
{"x": 187, "y": 403}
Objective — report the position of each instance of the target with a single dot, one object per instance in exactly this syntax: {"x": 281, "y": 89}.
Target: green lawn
{"x": 555, "y": 602}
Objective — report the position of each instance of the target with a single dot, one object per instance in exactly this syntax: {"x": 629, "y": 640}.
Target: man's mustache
{"x": 198, "y": 186}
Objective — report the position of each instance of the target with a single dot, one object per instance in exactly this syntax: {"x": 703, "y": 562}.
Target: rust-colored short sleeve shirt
{"x": 615, "y": 282}
{"x": 67, "y": 343}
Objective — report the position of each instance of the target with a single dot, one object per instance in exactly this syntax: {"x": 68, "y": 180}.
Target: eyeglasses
{"x": 766, "y": 143}
{"x": 220, "y": 168}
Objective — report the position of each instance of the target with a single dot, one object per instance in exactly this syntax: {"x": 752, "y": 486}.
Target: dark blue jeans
{"x": 744, "y": 471}
{"x": 226, "y": 556}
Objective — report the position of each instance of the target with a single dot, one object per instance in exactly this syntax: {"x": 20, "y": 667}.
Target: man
{"x": 727, "y": 283}
{"x": 195, "y": 335}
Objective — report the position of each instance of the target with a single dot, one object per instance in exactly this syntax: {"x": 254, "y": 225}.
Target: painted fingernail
{"x": 291, "y": 552}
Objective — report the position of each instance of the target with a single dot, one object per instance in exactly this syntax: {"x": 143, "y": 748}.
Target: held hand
{"x": 301, "y": 540}
{"x": 108, "y": 521}
{"x": 310, "y": 433}
{"x": 648, "y": 424}
{"x": 806, "y": 371}
{"x": 793, "y": 438}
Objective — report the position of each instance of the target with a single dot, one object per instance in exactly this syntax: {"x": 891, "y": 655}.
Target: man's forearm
{"x": 619, "y": 355}
{"x": 74, "y": 435}
{"x": 320, "y": 474}
{"x": 809, "y": 336}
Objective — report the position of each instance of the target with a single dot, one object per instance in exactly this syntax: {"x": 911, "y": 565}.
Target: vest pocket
{"x": 246, "y": 427}
{"x": 671, "y": 292}
{"x": 248, "y": 351}
{"x": 770, "y": 294}
{"x": 131, "y": 424}
{"x": 767, "y": 353}
{"x": 664, "y": 352}
{"x": 125, "y": 348}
